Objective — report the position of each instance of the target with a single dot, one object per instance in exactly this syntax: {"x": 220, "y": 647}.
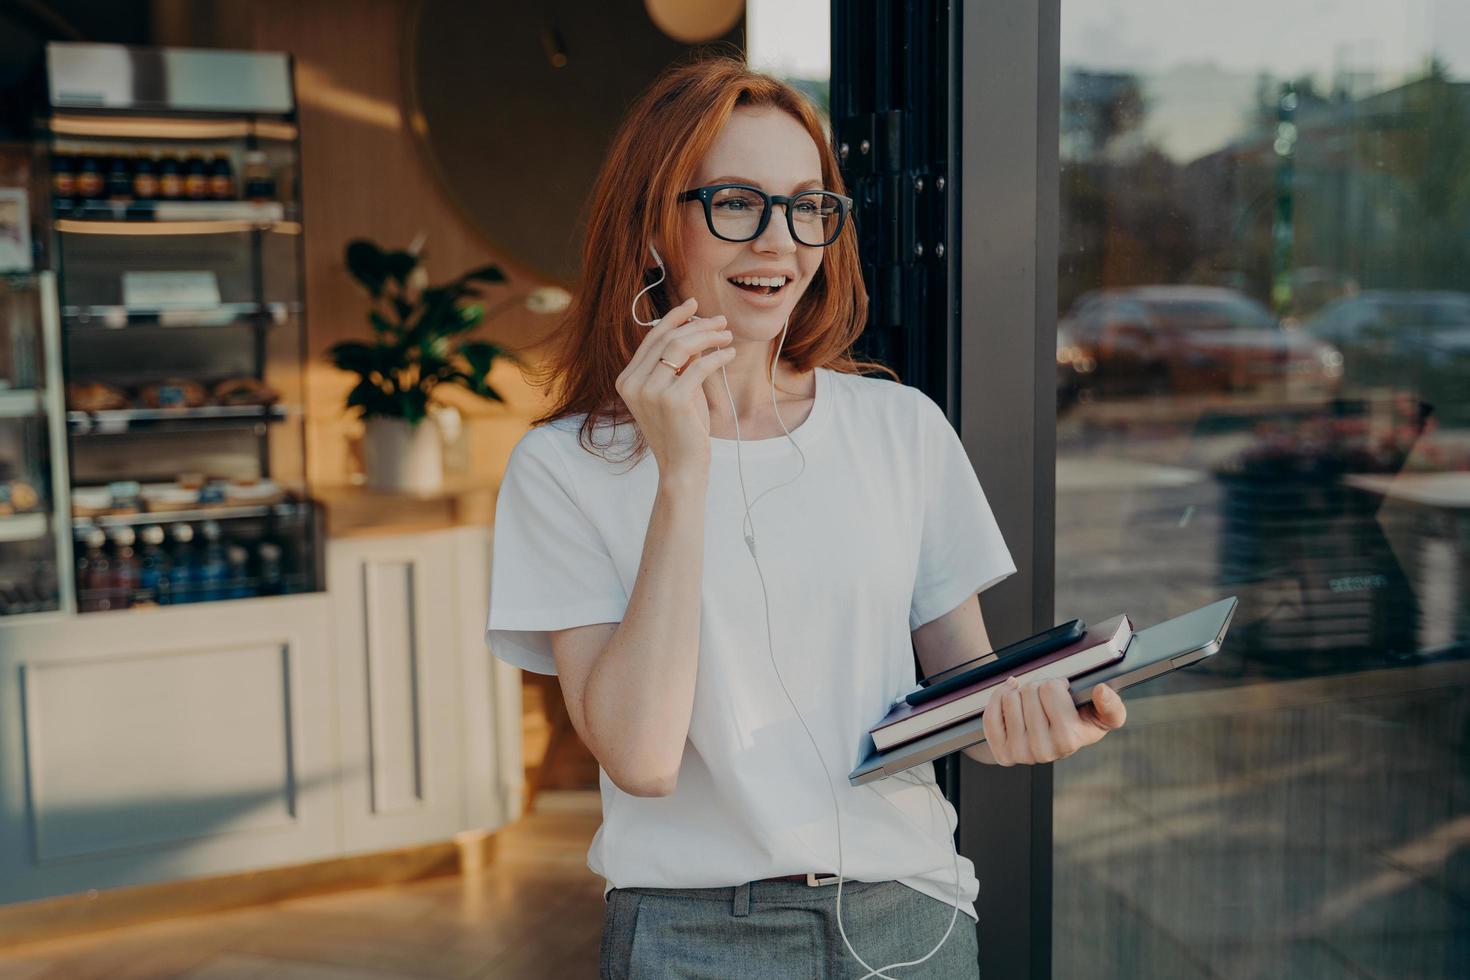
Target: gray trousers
{"x": 782, "y": 930}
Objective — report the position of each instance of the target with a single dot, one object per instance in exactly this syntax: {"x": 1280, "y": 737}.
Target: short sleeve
{"x": 549, "y": 565}
{"x": 961, "y": 551}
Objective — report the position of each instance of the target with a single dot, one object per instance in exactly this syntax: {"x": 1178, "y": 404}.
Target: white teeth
{"x": 760, "y": 280}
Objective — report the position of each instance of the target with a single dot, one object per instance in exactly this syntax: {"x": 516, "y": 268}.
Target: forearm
{"x": 640, "y": 694}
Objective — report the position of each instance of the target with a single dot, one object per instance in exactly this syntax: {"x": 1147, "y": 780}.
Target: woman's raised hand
{"x": 669, "y": 407}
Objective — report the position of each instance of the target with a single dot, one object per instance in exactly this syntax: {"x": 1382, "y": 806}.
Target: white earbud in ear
{"x": 662, "y": 272}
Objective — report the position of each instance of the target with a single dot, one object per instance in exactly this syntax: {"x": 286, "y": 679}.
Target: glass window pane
{"x": 1263, "y": 377}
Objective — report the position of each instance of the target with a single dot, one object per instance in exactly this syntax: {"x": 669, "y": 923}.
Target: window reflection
{"x": 1263, "y": 384}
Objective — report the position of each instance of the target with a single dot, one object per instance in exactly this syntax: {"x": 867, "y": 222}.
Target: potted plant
{"x": 420, "y": 341}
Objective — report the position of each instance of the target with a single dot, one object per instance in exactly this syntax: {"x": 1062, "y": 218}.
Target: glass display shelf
{"x": 176, "y": 231}
{"x": 291, "y": 508}
{"x": 24, "y": 527}
{"x": 225, "y": 314}
{"x": 107, "y": 213}
{"x": 160, "y": 419}
{"x": 19, "y": 403}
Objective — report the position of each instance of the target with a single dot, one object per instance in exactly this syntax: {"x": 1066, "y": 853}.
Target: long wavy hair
{"x": 653, "y": 157}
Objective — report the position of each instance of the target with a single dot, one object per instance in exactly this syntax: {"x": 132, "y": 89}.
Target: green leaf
{"x": 438, "y": 318}
{"x": 352, "y": 355}
{"x": 486, "y": 273}
{"x": 365, "y": 262}
{"x": 399, "y": 265}
{"x": 413, "y": 405}
{"x": 381, "y": 323}
{"x": 478, "y": 385}
{"x": 480, "y": 354}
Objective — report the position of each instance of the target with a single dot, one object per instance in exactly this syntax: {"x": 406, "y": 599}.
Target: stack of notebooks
{"x": 1101, "y": 645}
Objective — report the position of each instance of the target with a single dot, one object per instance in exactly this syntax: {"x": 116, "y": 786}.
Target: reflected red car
{"x": 1157, "y": 340}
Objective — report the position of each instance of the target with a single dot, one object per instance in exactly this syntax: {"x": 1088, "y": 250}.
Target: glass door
{"x": 1263, "y": 389}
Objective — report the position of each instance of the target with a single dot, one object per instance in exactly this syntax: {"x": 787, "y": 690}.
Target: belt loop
{"x": 740, "y": 903}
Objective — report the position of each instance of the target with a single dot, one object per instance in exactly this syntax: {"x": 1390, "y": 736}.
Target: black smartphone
{"x": 1008, "y": 658}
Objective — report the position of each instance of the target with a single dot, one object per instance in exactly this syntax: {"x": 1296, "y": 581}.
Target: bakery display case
{"x": 33, "y": 524}
{"x": 175, "y": 233}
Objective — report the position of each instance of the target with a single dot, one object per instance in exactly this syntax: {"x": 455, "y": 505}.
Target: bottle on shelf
{"x": 94, "y": 572}
{"x": 271, "y": 581}
{"x": 221, "y": 177}
{"x": 170, "y": 177}
{"x": 259, "y": 184}
{"x": 63, "y": 176}
{"x": 119, "y": 177}
{"x": 124, "y": 566}
{"x": 214, "y": 570}
{"x": 153, "y": 569}
{"x": 238, "y": 584}
{"x": 145, "y": 177}
{"x": 89, "y": 177}
{"x": 184, "y": 585}
{"x": 196, "y": 177}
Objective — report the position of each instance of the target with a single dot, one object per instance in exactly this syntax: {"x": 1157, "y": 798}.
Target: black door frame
{"x": 975, "y": 327}
{"x": 1007, "y": 268}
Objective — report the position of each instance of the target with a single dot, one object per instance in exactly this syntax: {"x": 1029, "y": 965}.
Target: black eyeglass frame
{"x": 706, "y": 193}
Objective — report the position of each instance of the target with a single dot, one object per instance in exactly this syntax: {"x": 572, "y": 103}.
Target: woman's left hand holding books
{"x": 1037, "y": 721}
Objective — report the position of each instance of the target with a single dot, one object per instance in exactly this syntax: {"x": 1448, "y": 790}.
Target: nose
{"x": 776, "y": 238}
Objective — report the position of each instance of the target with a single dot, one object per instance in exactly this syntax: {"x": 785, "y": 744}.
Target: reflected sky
{"x": 1200, "y": 62}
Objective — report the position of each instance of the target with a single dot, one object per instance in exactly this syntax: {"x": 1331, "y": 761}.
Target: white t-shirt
{"x": 887, "y": 529}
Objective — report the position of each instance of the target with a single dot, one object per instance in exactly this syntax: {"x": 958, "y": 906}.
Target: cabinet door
{"x": 145, "y": 746}
{"x": 398, "y": 688}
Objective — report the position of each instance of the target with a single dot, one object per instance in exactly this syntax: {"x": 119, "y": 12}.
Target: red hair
{"x": 653, "y": 157}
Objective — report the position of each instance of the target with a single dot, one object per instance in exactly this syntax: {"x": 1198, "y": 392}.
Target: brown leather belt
{"x": 810, "y": 878}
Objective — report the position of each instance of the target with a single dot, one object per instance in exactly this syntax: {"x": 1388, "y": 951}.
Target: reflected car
{"x": 1413, "y": 340}
{"x": 1155, "y": 340}
{"x": 1411, "y": 326}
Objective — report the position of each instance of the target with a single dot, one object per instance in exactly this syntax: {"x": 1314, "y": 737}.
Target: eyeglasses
{"x": 740, "y": 213}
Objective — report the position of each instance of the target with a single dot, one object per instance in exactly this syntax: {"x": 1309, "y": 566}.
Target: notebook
{"x": 1101, "y": 644}
{"x": 1179, "y": 642}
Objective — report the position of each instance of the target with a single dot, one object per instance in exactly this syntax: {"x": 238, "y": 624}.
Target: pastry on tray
{"x": 97, "y": 502}
{"x": 94, "y": 396}
{"x": 241, "y": 492}
{"x": 21, "y": 496}
{"x": 168, "y": 497}
{"x": 173, "y": 393}
{"x": 244, "y": 391}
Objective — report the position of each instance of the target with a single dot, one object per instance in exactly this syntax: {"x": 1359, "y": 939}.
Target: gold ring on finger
{"x": 677, "y": 370}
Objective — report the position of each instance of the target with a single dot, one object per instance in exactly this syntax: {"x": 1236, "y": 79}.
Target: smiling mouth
{"x": 761, "y": 290}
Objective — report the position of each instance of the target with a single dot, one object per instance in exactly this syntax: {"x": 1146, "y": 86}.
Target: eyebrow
{"x": 731, "y": 179}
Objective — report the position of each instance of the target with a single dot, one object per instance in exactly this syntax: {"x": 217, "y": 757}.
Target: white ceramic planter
{"x": 401, "y": 457}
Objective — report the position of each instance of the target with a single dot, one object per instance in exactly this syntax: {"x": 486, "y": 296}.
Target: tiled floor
{"x": 535, "y": 913}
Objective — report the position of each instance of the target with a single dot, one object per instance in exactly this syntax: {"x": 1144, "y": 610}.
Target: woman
{"x": 722, "y": 652}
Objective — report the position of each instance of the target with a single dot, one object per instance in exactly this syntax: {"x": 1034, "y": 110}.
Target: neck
{"x": 751, "y": 389}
